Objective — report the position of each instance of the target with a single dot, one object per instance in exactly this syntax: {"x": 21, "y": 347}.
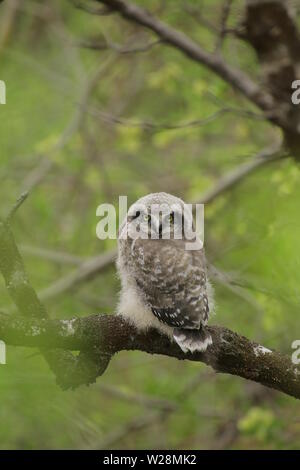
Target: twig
{"x": 16, "y": 206}
{"x": 86, "y": 271}
{"x": 235, "y": 176}
{"x": 39, "y": 173}
{"x": 52, "y": 255}
{"x": 226, "y": 9}
{"x": 159, "y": 127}
{"x": 148, "y": 125}
{"x": 235, "y": 77}
{"x": 101, "y": 11}
{"x": 94, "y": 45}
{"x": 198, "y": 16}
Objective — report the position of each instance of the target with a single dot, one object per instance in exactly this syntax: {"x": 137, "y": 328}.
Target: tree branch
{"x": 109, "y": 334}
{"x": 235, "y": 176}
{"x": 94, "y": 44}
{"x": 271, "y": 29}
{"x": 86, "y": 366}
{"x": 87, "y": 270}
{"x": 99, "y": 337}
{"x": 235, "y": 77}
{"x": 39, "y": 173}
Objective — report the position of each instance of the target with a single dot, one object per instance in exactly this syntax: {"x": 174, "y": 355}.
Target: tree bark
{"x": 270, "y": 28}
{"x": 99, "y": 337}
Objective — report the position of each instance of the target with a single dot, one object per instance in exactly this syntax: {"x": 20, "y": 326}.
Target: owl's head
{"x": 158, "y": 216}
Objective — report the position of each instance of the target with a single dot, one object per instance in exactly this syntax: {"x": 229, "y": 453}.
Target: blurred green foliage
{"x": 252, "y": 231}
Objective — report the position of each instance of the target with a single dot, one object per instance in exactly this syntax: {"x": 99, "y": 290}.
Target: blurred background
{"x": 96, "y": 108}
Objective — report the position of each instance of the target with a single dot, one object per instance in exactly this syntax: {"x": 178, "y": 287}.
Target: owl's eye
{"x": 137, "y": 214}
{"x": 147, "y": 218}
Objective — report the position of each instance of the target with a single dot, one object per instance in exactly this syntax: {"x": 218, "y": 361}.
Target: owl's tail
{"x": 192, "y": 340}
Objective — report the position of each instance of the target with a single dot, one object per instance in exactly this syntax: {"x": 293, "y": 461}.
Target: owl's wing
{"x": 173, "y": 281}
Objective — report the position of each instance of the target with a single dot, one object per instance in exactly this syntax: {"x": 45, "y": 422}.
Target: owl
{"x": 164, "y": 285}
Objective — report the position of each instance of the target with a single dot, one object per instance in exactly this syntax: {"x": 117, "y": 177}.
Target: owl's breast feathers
{"x": 172, "y": 280}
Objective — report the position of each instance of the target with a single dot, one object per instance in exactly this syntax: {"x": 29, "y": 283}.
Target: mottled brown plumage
{"x": 166, "y": 281}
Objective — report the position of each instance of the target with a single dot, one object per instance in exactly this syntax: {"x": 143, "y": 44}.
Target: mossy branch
{"x": 99, "y": 337}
